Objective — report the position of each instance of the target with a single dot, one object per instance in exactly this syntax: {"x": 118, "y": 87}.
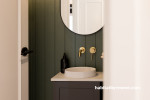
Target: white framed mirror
{"x": 82, "y": 16}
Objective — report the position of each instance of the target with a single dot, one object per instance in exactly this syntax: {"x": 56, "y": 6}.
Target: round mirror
{"x": 82, "y": 16}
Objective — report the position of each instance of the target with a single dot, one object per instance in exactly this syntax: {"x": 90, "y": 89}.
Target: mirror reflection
{"x": 82, "y": 16}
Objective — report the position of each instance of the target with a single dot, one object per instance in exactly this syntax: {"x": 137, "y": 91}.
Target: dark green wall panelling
{"x": 49, "y": 39}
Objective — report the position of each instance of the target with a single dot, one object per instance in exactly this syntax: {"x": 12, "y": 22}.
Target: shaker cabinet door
{"x": 77, "y": 91}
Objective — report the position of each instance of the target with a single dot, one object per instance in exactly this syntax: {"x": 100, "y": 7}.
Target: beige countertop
{"x": 61, "y": 77}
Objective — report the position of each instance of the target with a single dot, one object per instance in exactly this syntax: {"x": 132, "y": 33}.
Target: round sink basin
{"x": 80, "y": 72}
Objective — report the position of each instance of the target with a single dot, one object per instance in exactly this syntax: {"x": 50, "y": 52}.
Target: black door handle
{"x": 25, "y": 51}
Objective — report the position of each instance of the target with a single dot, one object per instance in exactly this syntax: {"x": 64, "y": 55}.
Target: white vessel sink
{"x": 80, "y": 72}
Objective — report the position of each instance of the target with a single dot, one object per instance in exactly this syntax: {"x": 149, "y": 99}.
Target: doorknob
{"x": 25, "y": 51}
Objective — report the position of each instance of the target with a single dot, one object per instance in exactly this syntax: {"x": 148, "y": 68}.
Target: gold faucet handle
{"x": 92, "y": 51}
{"x": 81, "y": 50}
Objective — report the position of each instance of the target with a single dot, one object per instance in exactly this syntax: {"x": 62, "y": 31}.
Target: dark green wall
{"x": 49, "y": 39}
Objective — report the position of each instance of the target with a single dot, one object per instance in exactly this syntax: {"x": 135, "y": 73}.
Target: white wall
{"x": 126, "y": 50}
{"x": 8, "y": 50}
{"x": 144, "y": 31}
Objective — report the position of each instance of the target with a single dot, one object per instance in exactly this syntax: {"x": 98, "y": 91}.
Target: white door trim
{"x": 19, "y": 49}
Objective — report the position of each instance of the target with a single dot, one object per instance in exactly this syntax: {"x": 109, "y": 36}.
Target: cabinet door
{"x": 77, "y": 91}
{"x": 78, "y": 94}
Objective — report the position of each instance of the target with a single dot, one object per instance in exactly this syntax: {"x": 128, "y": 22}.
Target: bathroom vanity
{"x": 65, "y": 88}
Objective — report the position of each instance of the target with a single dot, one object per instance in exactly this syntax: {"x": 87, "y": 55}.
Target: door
{"x": 8, "y": 50}
{"x": 13, "y": 36}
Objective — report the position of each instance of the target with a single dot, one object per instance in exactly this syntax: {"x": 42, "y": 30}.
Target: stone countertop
{"x": 61, "y": 77}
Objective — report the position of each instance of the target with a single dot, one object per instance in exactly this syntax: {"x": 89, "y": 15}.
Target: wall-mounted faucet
{"x": 81, "y": 50}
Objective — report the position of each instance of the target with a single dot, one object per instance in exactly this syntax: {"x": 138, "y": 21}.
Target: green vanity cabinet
{"x": 76, "y": 90}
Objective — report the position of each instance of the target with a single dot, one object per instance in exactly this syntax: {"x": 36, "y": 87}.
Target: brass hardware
{"x": 92, "y": 51}
{"x": 102, "y": 56}
{"x": 81, "y": 50}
